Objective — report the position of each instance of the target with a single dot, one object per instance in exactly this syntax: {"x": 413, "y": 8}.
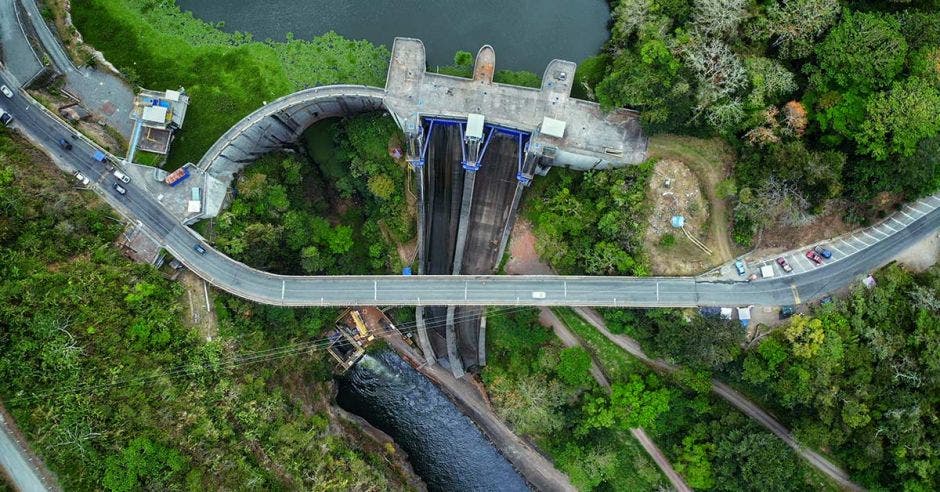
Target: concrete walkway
{"x": 548, "y": 318}
{"x": 736, "y": 399}
{"x": 102, "y": 92}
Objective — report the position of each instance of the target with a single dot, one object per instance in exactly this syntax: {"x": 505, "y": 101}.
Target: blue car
{"x": 823, "y": 251}
{"x": 739, "y": 266}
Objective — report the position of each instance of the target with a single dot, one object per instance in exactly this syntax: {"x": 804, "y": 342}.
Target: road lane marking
{"x": 933, "y": 197}
{"x": 872, "y": 237}
{"x": 907, "y": 215}
{"x": 917, "y": 209}
{"x": 860, "y": 240}
{"x": 375, "y": 286}
{"x": 833, "y": 247}
{"x": 903, "y": 225}
{"x": 885, "y": 224}
{"x": 796, "y": 294}
{"x": 566, "y": 289}
{"x": 283, "y": 288}
{"x": 657, "y": 291}
{"x": 465, "y": 285}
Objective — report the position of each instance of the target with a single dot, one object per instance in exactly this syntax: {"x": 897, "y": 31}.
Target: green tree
{"x": 142, "y": 464}
{"x": 805, "y": 335}
{"x": 865, "y": 51}
{"x": 630, "y": 405}
{"x": 574, "y": 367}
{"x": 898, "y": 120}
{"x": 381, "y": 186}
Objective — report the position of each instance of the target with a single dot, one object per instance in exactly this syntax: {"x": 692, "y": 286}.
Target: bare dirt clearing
{"x": 674, "y": 191}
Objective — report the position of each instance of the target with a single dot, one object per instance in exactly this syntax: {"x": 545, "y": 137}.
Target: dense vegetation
{"x": 115, "y": 392}
{"x": 227, "y": 75}
{"x": 546, "y": 392}
{"x": 859, "y": 378}
{"x": 591, "y": 222}
{"x": 823, "y": 99}
{"x": 341, "y": 210}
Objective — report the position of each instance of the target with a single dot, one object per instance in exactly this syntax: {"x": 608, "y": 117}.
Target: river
{"x": 445, "y": 448}
{"x": 526, "y": 34}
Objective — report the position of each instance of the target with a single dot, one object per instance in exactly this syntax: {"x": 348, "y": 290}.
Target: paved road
{"x": 736, "y": 399}
{"x": 917, "y": 222}
{"x": 268, "y": 288}
{"x": 16, "y": 463}
{"x": 101, "y": 91}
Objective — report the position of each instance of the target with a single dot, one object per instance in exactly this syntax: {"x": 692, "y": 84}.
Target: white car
{"x": 82, "y": 179}
{"x": 6, "y": 91}
{"x": 538, "y": 295}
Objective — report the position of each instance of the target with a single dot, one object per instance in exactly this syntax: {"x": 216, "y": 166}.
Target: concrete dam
{"x": 474, "y": 145}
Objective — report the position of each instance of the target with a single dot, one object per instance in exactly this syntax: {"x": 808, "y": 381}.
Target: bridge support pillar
{"x": 466, "y": 203}
{"x": 423, "y": 339}
{"x": 453, "y": 355}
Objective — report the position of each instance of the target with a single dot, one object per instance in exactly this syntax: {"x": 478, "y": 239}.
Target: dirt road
{"x": 736, "y": 399}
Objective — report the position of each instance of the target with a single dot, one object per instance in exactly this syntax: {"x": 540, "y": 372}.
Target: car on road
{"x": 538, "y": 295}
{"x": 5, "y": 118}
{"x": 739, "y": 266}
{"x": 783, "y": 264}
{"x": 199, "y": 249}
{"x": 6, "y": 91}
{"x": 814, "y": 257}
{"x": 82, "y": 179}
{"x": 65, "y": 144}
{"x": 787, "y": 311}
{"x": 823, "y": 251}
{"x": 123, "y": 177}
{"x": 120, "y": 189}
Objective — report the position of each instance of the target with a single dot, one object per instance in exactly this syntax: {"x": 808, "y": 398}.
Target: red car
{"x": 783, "y": 264}
{"x": 814, "y": 257}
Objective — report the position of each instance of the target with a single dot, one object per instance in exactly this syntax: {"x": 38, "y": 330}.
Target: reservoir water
{"x": 445, "y": 448}
{"x": 526, "y": 34}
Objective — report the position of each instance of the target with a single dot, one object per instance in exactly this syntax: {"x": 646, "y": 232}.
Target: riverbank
{"x": 536, "y": 469}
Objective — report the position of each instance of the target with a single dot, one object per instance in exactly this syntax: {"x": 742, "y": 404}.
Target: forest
{"x": 823, "y": 99}
{"x": 115, "y": 391}
{"x": 546, "y": 392}
{"x": 338, "y": 208}
{"x": 858, "y": 379}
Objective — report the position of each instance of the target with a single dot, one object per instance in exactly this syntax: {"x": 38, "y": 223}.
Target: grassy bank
{"x": 227, "y": 75}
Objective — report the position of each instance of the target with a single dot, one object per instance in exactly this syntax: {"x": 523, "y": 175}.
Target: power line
{"x": 246, "y": 358}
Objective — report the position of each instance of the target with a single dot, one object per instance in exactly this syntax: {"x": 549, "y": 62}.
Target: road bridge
{"x": 42, "y": 127}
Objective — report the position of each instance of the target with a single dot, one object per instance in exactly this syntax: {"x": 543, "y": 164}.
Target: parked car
{"x": 123, "y": 177}
{"x": 787, "y": 311}
{"x": 823, "y": 251}
{"x": 199, "y": 249}
{"x": 6, "y": 91}
{"x": 5, "y": 118}
{"x": 81, "y": 178}
{"x": 120, "y": 189}
{"x": 739, "y": 266}
{"x": 826, "y": 300}
{"x": 814, "y": 257}
{"x": 783, "y": 264}
{"x": 65, "y": 144}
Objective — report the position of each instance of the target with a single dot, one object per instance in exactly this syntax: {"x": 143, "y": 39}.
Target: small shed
{"x": 678, "y": 221}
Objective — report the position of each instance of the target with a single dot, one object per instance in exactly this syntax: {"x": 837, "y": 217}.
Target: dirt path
{"x": 710, "y": 160}
{"x": 736, "y": 399}
{"x": 537, "y": 470}
{"x": 548, "y": 318}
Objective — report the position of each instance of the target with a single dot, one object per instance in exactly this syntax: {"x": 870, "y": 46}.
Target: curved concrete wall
{"x": 281, "y": 122}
